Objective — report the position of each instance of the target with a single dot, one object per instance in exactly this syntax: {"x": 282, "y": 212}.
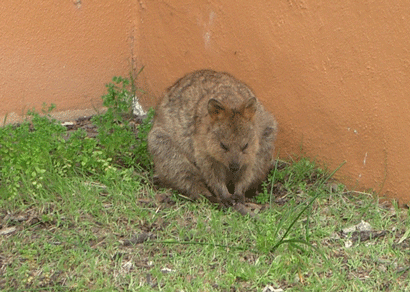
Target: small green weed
{"x": 115, "y": 132}
{"x": 25, "y": 153}
{"x": 40, "y": 148}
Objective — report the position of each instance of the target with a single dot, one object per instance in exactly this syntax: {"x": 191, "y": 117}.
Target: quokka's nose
{"x": 234, "y": 166}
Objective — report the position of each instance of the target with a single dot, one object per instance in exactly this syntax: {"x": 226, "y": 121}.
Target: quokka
{"x": 212, "y": 137}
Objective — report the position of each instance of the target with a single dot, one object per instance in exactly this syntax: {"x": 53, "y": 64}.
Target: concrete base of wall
{"x": 64, "y": 116}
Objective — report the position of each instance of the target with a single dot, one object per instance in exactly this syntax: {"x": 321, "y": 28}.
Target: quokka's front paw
{"x": 231, "y": 200}
{"x": 227, "y": 200}
{"x": 238, "y": 198}
{"x": 244, "y": 210}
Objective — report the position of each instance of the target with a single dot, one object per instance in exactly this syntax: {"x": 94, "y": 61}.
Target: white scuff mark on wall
{"x": 365, "y": 157}
{"x": 77, "y": 3}
{"x": 207, "y": 29}
{"x": 354, "y": 130}
{"x": 207, "y": 38}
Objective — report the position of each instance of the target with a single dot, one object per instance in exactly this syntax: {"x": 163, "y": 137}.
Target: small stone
{"x": 8, "y": 230}
{"x": 167, "y": 271}
{"x": 271, "y": 289}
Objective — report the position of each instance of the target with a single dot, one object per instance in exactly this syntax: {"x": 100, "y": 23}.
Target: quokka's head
{"x": 232, "y": 138}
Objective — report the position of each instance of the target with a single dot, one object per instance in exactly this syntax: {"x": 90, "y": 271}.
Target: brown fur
{"x": 211, "y": 137}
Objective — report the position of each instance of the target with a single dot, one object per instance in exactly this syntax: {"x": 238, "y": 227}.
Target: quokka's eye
{"x": 224, "y": 147}
{"x": 245, "y": 147}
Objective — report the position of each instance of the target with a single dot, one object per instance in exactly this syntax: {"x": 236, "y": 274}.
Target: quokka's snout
{"x": 234, "y": 166}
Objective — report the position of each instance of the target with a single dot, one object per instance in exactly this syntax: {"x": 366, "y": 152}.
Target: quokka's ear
{"x": 215, "y": 109}
{"x": 248, "y": 109}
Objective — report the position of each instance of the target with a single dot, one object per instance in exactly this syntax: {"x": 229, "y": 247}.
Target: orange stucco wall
{"x": 335, "y": 74}
{"x": 62, "y": 52}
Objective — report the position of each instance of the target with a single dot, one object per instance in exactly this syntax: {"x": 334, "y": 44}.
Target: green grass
{"x": 80, "y": 206}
